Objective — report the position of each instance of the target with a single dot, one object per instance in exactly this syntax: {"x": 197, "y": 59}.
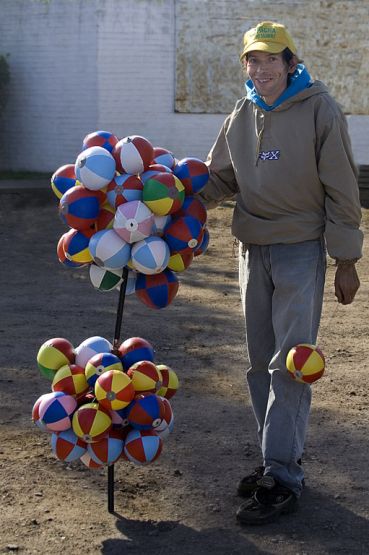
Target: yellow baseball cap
{"x": 268, "y": 36}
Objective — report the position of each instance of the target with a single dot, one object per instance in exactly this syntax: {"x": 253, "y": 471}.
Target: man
{"x": 284, "y": 153}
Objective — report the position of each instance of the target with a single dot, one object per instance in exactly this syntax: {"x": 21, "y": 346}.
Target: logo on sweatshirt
{"x": 269, "y": 155}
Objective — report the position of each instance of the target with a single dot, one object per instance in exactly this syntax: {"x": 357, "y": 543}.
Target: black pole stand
{"x": 118, "y": 326}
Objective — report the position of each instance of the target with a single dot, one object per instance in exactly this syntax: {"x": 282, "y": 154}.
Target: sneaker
{"x": 269, "y": 501}
{"x": 248, "y": 485}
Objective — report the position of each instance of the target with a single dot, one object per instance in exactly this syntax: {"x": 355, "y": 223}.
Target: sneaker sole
{"x": 268, "y": 518}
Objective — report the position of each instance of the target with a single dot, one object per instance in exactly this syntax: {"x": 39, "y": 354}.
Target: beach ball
{"x": 91, "y": 422}
{"x": 70, "y": 379}
{"x": 88, "y": 461}
{"x": 104, "y": 139}
{"x": 124, "y": 188}
{"x": 133, "y": 154}
{"x": 163, "y": 194}
{"x": 142, "y": 446}
{"x": 145, "y": 376}
{"x": 105, "y": 218}
{"x": 53, "y": 354}
{"x": 167, "y": 424}
{"x": 193, "y": 173}
{"x": 133, "y": 350}
{"x": 61, "y": 255}
{"x": 100, "y": 363}
{"x": 109, "y": 250}
{"x": 107, "y": 450}
{"x": 36, "y": 412}
{"x": 184, "y": 234}
{"x": 90, "y": 347}
{"x": 63, "y": 179}
{"x": 180, "y": 261}
{"x": 305, "y": 363}
{"x": 146, "y": 412}
{"x": 160, "y": 224}
{"x": 75, "y": 245}
{"x": 170, "y": 382}
{"x": 79, "y": 207}
{"x": 67, "y": 446}
{"x": 114, "y": 390}
{"x": 153, "y": 170}
{"x": 158, "y": 290}
{"x": 192, "y": 206}
{"x": 103, "y": 279}
{"x": 56, "y": 411}
{"x": 163, "y": 156}
{"x": 95, "y": 168}
{"x": 150, "y": 256}
{"x": 202, "y": 247}
{"x": 133, "y": 221}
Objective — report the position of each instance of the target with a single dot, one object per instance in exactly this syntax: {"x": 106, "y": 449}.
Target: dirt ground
{"x": 185, "y": 502}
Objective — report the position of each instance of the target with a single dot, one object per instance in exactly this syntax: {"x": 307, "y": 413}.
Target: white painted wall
{"x": 81, "y": 65}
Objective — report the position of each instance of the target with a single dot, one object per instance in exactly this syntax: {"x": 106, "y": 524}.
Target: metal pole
{"x": 116, "y": 341}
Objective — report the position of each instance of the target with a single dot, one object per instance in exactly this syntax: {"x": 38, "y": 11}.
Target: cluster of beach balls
{"x": 104, "y": 405}
{"x": 131, "y": 205}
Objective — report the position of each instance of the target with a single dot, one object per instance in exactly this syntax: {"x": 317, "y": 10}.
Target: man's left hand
{"x": 346, "y": 283}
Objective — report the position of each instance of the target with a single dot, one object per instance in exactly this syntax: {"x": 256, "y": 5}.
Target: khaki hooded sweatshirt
{"x": 291, "y": 171}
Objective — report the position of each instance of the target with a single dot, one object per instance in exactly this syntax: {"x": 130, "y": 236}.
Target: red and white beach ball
{"x": 150, "y": 256}
{"x": 142, "y": 446}
{"x": 133, "y": 154}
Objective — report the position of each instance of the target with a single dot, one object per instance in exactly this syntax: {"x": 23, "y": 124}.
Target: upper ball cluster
{"x": 131, "y": 205}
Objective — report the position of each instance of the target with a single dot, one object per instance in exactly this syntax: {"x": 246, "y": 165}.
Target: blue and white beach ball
{"x": 109, "y": 250}
{"x": 150, "y": 256}
{"x": 95, "y": 167}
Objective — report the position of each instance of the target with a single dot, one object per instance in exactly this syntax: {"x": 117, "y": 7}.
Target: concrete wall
{"x": 81, "y": 65}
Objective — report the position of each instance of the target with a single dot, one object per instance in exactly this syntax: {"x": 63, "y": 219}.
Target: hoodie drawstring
{"x": 258, "y": 132}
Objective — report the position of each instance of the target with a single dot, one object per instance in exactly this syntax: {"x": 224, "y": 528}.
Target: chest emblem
{"x": 269, "y": 155}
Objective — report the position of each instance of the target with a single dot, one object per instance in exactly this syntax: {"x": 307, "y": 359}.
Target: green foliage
{"x": 4, "y": 80}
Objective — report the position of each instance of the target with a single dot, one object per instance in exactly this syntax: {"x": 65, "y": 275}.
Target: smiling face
{"x": 269, "y": 73}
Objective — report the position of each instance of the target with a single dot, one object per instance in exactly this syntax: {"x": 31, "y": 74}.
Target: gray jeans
{"x": 282, "y": 289}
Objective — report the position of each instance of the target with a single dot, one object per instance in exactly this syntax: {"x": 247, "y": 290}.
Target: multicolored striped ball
{"x": 67, "y": 446}
{"x": 180, "y": 261}
{"x": 70, "y": 379}
{"x": 76, "y": 246}
{"x": 124, "y": 188}
{"x": 184, "y": 234}
{"x": 108, "y": 450}
{"x": 104, "y": 139}
{"x": 133, "y": 221}
{"x": 114, "y": 390}
{"x": 145, "y": 376}
{"x": 157, "y": 291}
{"x": 133, "y": 154}
{"x": 109, "y": 250}
{"x": 142, "y": 446}
{"x": 193, "y": 173}
{"x": 95, "y": 168}
{"x": 170, "y": 382}
{"x": 163, "y": 194}
{"x": 192, "y": 206}
{"x": 150, "y": 256}
{"x": 146, "y": 412}
{"x": 135, "y": 349}
{"x": 164, "y": 156}
{"x": 56, "y": 411}
{"x": 79, "y": 208}
{"x": 90, "y": 347}
{"x": 91, "y": 422}
{"x": 53, "y": 354}
{"x": 305, "y": 363}
{"x": 202, "y": 247}
{"x": 100, "y": 363}
{"x": 103, "y": 279}
{"x": 63, "y": 179}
